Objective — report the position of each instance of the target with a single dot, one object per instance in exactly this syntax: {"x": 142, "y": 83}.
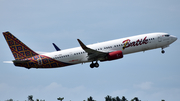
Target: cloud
{"x": 54, "y": 90}
{"x": 119, "y": 92}
{"x": 3, "y": 87}
{"x": 6, "y": 90}
{"x": 144, "y": 85}
{"x": 57, "y": 90}
{"x": 53, "y": 86}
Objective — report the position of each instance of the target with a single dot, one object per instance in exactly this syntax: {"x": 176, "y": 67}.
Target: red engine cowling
{"x": 114, "y": 55}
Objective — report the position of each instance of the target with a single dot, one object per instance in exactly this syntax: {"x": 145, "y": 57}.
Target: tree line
{"x": 107, "y": 98}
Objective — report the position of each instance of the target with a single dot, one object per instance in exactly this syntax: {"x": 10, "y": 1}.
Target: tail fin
{"x": 18, "y": 49}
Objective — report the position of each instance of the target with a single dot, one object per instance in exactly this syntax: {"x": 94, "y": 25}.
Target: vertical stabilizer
{"x": 18, "y": 49}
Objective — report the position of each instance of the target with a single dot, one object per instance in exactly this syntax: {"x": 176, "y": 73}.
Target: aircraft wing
{"x": 92, "y": 54}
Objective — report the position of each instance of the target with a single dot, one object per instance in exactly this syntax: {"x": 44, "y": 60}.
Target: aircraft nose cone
{"x": 174, "y": 38}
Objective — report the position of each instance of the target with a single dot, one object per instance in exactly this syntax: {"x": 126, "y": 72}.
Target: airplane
{"x": 103, "y": 51}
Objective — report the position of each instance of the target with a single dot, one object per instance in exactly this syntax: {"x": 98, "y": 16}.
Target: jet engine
{"x": 113, "y": 55}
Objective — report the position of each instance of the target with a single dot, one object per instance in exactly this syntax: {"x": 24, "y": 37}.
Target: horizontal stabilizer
{"x": 7, "y": 62}
{"x": 20, "y": 61}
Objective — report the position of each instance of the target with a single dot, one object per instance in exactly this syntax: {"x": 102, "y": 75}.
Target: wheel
{"x": 96, "y": 65}
{"x": 162, "y": 51}
{"x": 92, "y": 65}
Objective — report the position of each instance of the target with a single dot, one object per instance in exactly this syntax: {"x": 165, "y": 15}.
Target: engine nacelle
{"x": 114, "y": 55}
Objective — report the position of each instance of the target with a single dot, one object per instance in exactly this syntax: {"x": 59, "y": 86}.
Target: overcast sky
{"x": 150, "y": 76}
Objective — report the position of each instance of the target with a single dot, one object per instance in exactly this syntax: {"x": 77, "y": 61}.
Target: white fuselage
{"x": 134, "y": 44}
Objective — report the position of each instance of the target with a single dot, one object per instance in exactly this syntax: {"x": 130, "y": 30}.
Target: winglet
{"x": 82, "y": 44}
{"x": 56, "y": 47}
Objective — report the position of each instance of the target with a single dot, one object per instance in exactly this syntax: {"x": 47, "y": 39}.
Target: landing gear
{"x": 92, "y": 65}
{"x": 162, "y": 51}
{"x": 96, "y": 65}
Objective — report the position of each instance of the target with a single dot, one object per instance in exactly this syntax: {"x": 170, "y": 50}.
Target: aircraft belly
{"x": 75, "y": 59}
{"x": 140, "y": 48}
{"x": 133, "y": 49}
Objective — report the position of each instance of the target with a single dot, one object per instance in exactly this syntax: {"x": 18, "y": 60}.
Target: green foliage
{"x": 124, "y": 99}
{"x": 60, "y": 98}
{"x": 10, "y": 100}
{"x": 30, "y": 98}
{"x": 107, "y": 98}
{"x": 118, "y": 99}
{"x": 135, "y": 99}
{"x": 90, "y": 99}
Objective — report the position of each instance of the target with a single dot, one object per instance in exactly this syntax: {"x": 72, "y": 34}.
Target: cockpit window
{"x": 167, "y": 35}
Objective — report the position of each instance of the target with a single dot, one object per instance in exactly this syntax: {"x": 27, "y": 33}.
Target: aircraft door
{"x": 39, "y": 60}
{"x": 159, "y": 38}
{"x": 70, "y": 53}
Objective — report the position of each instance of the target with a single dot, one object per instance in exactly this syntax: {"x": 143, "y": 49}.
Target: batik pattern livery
{"x": 25, "y": 57}
{"x": 41, "y": 61}
{"x": 19, "y": 50}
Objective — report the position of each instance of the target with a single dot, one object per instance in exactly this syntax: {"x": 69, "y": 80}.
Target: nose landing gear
{"x": 92, "y": 65}
{"x": 162, "y": 51}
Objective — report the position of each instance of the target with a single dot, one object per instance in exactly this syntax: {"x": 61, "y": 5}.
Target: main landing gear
{"x": 92, "y": 65}
{"x": 162, "y": 51}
